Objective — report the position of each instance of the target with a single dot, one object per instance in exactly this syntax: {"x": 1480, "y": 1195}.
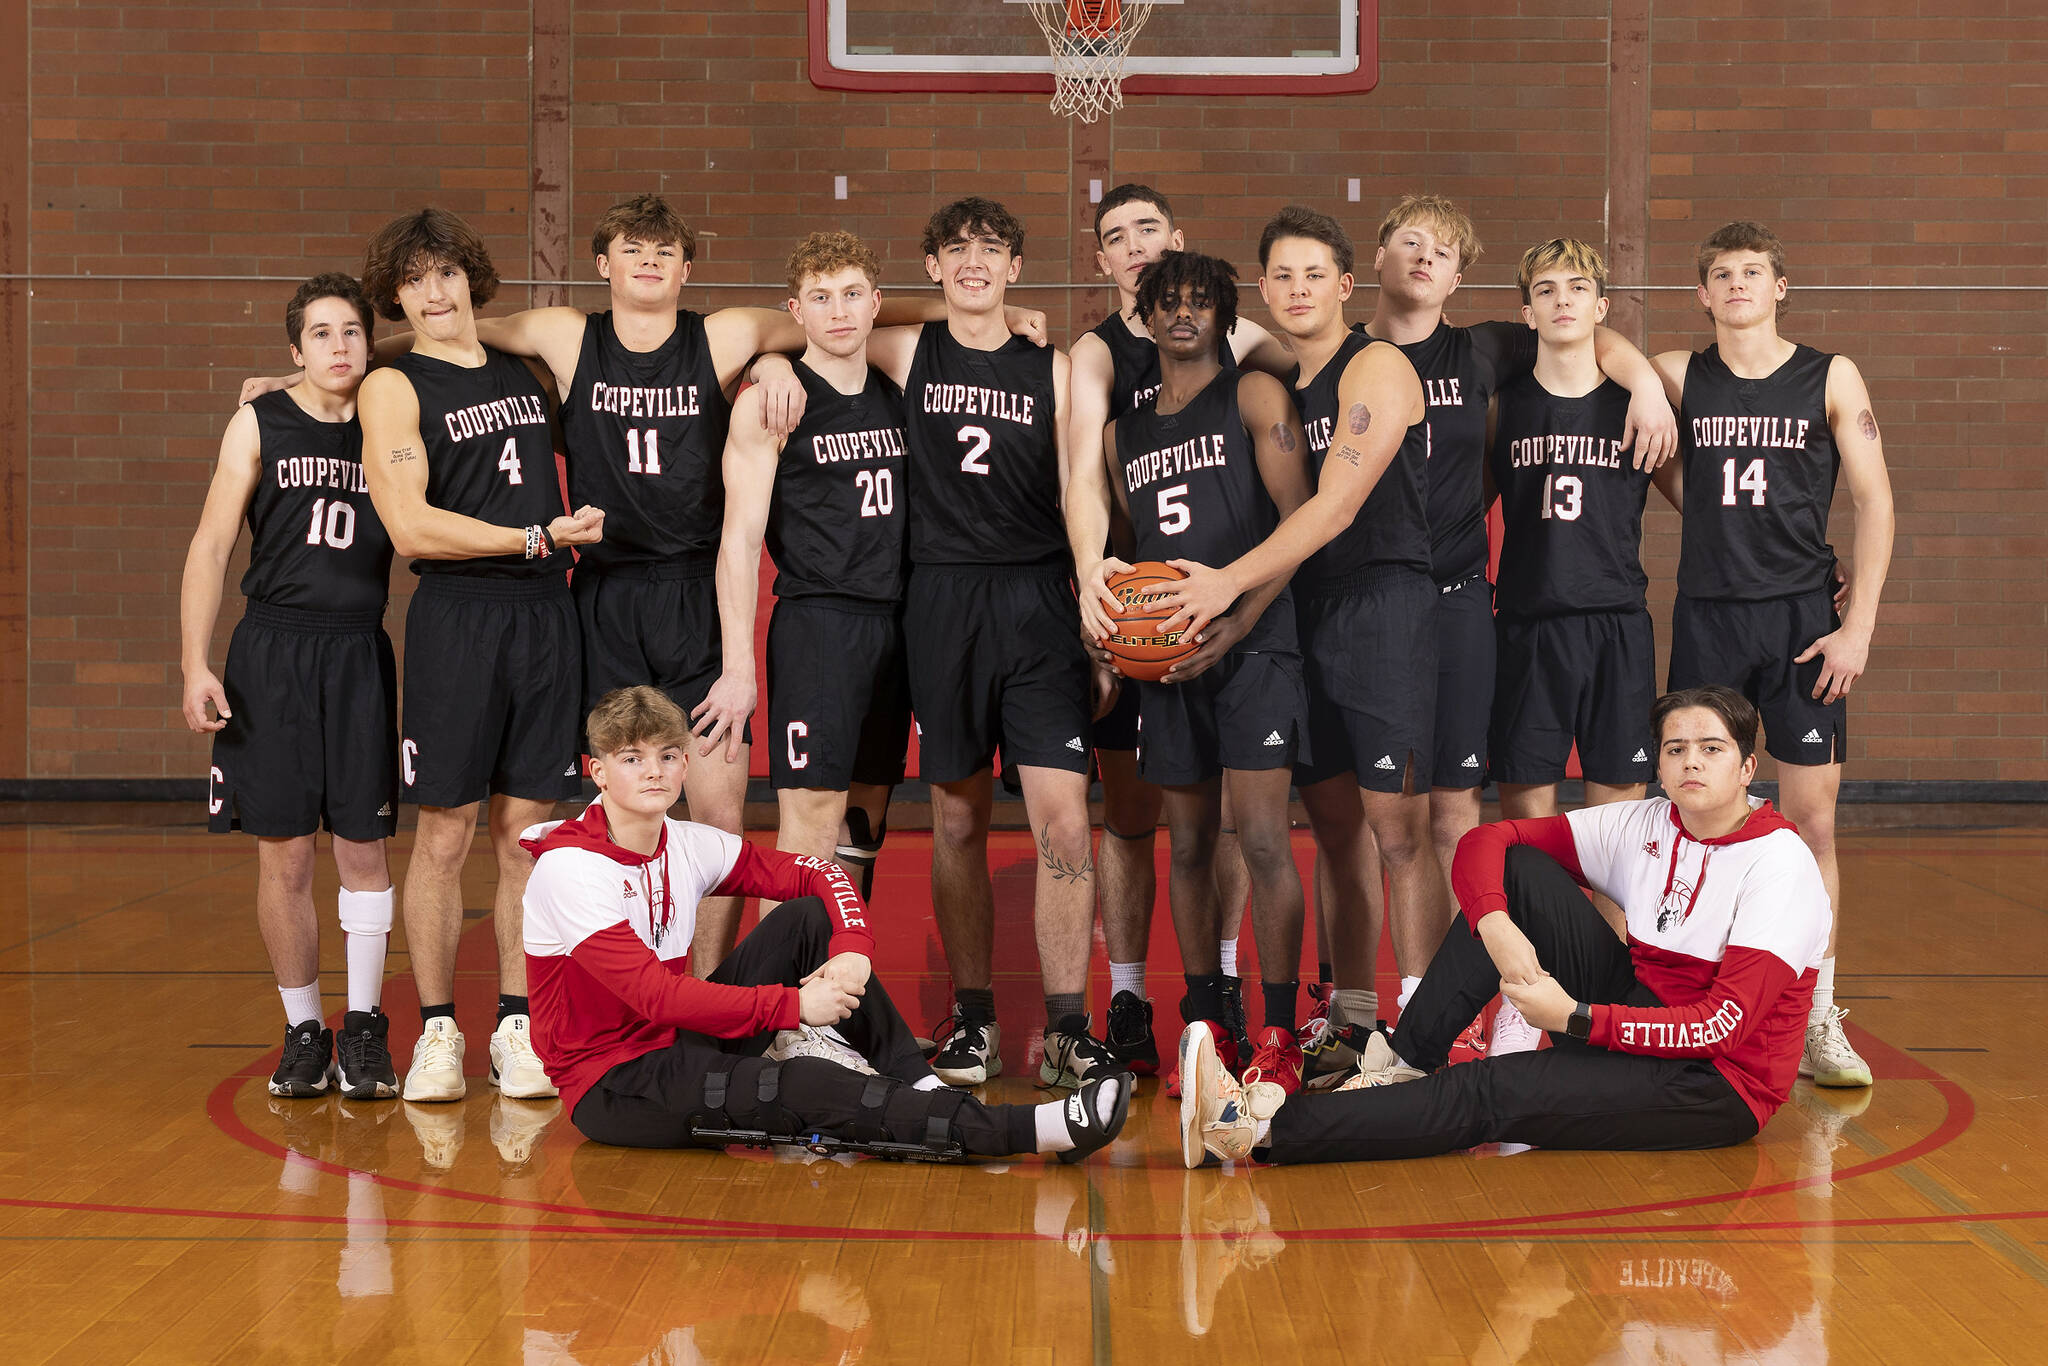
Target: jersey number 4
{"x": 1752, "y": 481}
{"x": 334, "y": 523}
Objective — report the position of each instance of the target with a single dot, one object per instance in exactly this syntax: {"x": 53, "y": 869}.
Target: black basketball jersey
{"x": 645, "y": 433}
{"x": 489, "y": 454}
{"x": 316, "y": 543}
{"x": 1392, "y": 525}
{"x": 1571, "y": 503}
{"x": 1134, "y": 361}
{"x": 1461, "y": 368}
{"x": 835, "y": 525}
{"x": 1760, "y": 465}
{"x": 1192, "y": 481}
{"x": 984, "y": 454}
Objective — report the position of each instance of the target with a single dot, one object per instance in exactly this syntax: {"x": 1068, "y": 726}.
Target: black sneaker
{"x": 967, "y": 1053}
{"x": 1233, "y": 1016}
{"x": 1090, "y": 1132}
{"x": 362, "y": 1049}
{"x": 1072, "y": 1054}
{"x": 1128, "y": 1032}
{"x": 305, "y": 1068}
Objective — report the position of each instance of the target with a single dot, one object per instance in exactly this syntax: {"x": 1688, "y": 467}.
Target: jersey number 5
{"x": 1174, "y": 517}
{"x": 977, "y": 440}
{"x": 1752, "y": 481}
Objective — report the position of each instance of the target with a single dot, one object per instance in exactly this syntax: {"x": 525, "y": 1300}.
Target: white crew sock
{"x": 301, "y": 1003}
{"x": 365, "y": 951}
{"x": 1408, "y": 985}
{"x": 1127, "y": 977}
{"x": 1051, "y": 1117}
{"x": 1228, "y": 949}
{"x": 1354, "y": 1005}
{"x": 1823, "y": 992}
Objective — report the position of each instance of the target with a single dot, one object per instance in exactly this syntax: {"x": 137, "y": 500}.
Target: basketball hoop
{"x": 1089, "y": 41}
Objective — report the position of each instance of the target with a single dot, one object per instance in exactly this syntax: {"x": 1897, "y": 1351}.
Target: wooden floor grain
{"x": 157, "y": 1206}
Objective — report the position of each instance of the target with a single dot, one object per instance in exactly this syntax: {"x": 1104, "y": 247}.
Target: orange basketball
{"x": 1094, "y": 18}
{"x": 1142, "y": 651}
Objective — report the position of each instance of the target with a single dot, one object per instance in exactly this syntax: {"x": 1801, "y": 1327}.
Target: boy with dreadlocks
{"x": 1205, "y": 469}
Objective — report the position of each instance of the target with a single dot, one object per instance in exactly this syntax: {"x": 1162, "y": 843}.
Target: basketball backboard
{"x": 1190, "y": 47}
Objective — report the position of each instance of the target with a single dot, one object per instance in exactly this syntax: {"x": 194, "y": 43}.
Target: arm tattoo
{"x": 1867, "y": 425}
{"x": 403, "y": 454}
{"x": 1348, "y": 454}
{"x": 1061, "y": 870}
{"x": 1283, "y": 437}
{"x": 1359, "y": 419}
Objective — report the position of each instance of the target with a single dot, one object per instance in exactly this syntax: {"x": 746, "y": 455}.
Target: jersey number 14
{"x": 1752, "y": 482}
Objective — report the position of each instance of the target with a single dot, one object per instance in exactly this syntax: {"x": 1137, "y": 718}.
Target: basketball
{"x": 1141, "y": 650}
{"x": 1093, "y": 18}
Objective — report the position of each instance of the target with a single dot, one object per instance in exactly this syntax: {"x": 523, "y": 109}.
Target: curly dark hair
{"x": 429, "y": 237}
{"x": 1191, "y": 276}
{"x": 333, "y": 285}
{"x": 970, "y": 217}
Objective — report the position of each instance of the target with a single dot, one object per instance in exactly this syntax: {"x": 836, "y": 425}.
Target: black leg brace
{"x": 868, "y": 1131}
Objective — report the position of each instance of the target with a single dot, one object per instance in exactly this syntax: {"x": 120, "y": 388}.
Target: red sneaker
{"x": 1471, "y": 1045}
{"x": 1276, "y": 1059}
{"x": 1226, "y": 1049}
{"x": 1319, "y": 995}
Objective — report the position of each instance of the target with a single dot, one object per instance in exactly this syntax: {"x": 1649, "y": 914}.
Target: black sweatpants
{"x": 648, "y": 1102}
{"x": 1571, "y": 1095}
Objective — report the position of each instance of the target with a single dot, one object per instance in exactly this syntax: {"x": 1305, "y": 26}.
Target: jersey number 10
{"x": 334, "y": 523}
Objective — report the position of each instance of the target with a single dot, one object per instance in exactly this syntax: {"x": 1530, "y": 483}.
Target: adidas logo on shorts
{"x": 1386, "y": 761}
{"x": 1075, "y": 745}
{"x": 384, "y": 810}
{"x": 1274, "y": 739}
{"x": 1471, "y": 761}
{"x": 1641, "y": 758}
{"x": 1812, "y": 737}
{"x": 570, "y": 771}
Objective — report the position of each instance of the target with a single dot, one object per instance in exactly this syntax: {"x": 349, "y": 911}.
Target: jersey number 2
{"x": 1752, "y": 482}
{"x": 977, "y": 439}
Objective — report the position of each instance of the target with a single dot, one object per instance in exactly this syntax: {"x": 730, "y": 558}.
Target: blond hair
{"x": 634, "y": 716}
{"x": 828, "y": 253}
{"x": 1568, "y": 253}
{"x": 1445, "y": 220}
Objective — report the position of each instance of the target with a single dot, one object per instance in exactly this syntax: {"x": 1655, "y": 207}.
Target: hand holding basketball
{"x": 1202, "y": 595}
{"x": 1140, "y": 643}
{"x": 1099, "y": 607}
{"x": 1218, "y": 640}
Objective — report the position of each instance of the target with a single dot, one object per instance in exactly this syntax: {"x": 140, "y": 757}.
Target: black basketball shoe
{"x": 1128, "y": 1032}
{"x": 305, "y": 1068}
{"x": 363, "y": 1056}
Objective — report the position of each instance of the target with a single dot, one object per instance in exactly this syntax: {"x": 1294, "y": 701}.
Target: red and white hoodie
{"x": 608, "y": 941}
{"x": 1728, "y": 933}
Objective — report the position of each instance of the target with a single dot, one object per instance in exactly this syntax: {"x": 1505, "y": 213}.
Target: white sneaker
{"x": 1379, "y": 1065}
{"x": 515, "y": 1067}
{"x": 1512, "y": 1033}
{"x": 1828, "y": 1058}
{"x": 436, "y": 1071}
{"x": 809, "y": 1041}
{"x": 1218, "y": 1114}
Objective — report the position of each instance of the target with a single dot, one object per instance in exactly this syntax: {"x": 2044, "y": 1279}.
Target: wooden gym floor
{"x": 156, "y": 1205}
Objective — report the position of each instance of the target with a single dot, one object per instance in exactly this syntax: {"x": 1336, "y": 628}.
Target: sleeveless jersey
{"x": 489, "y": 454}
{"x": 1461, "y": 368}
{"x": 646, "y": 437}
{"x": 1392, "y": 525}
{"x": 1571, "y": 503}
{"x": 984, "y": 454}
{"x": 835, "y": 525}
{"x": 1760, "y": 465}
{"x": 316, "y": 543}
{"x": 1192, "y": 481}
{"x": 1134, "y": 361}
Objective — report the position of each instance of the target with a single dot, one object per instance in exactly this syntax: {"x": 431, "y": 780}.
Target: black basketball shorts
{"x": 1750, "y": 646}
{"x": 1249, "y": 712}
{"x": 996, "y": 661}
{"x": 1589, "y": 677}
{"x": 1117, "y": 728}
{"x": 492, "y": 691}
{"x": 1369, "y": 657}
{"x": 311, "y": 738}
{"x": 661, "y": 629}
{"x": 1465, "y": 667}
{"x": 838, "y": 693}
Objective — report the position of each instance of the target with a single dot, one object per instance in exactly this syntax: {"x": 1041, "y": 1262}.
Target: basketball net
{"x": 1089, "y": 41}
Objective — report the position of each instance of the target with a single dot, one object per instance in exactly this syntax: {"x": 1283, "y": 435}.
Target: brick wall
{"x": 266, "y": 141}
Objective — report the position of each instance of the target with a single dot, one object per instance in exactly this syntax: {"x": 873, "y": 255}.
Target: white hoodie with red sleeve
{"x": 608, "y": 937}
{"x": 1728, "y": 933}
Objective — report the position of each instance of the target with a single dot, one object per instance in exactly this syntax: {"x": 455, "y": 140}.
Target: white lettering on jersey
{"x": 319, "y": 472}
{"x": 1204, "y": 452}
{"x": 481, "y": 419}
{"x": 620, "y": 400}
{"x": 1783, "y": 432}
{"x": 976, "y": 401}
{"x": 1683, "y": 1033}
{"x": 1442, "y": 393}
{"x": 880, "y": 444}
{"x": 1557, "y": 449}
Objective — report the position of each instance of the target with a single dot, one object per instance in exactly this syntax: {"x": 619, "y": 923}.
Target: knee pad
{"x": 366, "y": 912}
{"x": 860, "y": 850}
